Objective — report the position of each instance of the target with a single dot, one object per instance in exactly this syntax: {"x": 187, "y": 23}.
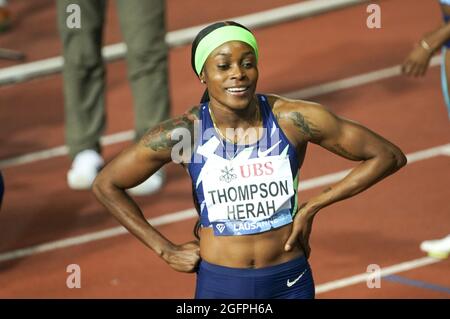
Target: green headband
{"x": 218, "y": 37}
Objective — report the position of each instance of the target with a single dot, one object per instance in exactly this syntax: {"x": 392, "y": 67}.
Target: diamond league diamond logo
{"x": 220, "y": 227}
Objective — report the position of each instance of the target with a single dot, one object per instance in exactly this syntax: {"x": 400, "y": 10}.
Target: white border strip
{"x": 113, "y": 52}
{"x": 313, "y": 91}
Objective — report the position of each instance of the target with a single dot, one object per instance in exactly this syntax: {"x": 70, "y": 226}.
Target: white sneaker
{"x": 439, "y": 248}
{"x": 149, "y": 186}
{"x": 85, "y": 167}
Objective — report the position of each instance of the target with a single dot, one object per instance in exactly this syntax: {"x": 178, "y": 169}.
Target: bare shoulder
{"x": 162, "y": 137}
{"x": 305, "y": 117}
{"x": 282, "y": 104}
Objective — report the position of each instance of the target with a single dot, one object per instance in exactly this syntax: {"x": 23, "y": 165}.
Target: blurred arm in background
{"x": 416, "y": 64}
{"x": 417, "y": 61}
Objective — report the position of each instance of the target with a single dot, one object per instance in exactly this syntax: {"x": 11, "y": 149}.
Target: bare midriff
{"x": 247, "y": 251}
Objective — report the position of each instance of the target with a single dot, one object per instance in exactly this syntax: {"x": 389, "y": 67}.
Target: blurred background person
{"x": 416, "y": 64}
{"x": 143, "y": 28}
{"x": 5, "y": 16}
{"x": 418, "y": 60}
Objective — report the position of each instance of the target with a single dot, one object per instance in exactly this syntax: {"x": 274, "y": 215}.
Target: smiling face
{"x": 231, "y": 74}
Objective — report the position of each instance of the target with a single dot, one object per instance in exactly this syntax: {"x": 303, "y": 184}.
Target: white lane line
{"x": 356, "y": 279}
{"x": 313, "y": 91}
{"x": 62, "y": 150}
{"x": 446, "y": 151}
{"x": 94, "y": 236}
{"x": 191, "y": 213}
{"x": 335, "y": 177}
{"x": 428, "y": 153}
{"x": 23, "y": 72}
{"x": 34, "y": 157}
{"x": 353, "y": 81}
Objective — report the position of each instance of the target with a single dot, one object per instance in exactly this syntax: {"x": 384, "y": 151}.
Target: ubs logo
{"x": 256, "y": 169}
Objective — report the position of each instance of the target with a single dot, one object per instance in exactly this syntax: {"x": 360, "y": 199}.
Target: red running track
{"x": 383, "y": 225}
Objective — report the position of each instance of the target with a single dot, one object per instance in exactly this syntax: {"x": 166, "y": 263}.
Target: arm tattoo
{"x": 305, "y": 126}
{"x": 159, "y": 138}
{"x": 338, "y": 149}
{"x": 326, "y": 190}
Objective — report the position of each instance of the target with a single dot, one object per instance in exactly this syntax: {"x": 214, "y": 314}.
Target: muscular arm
{"x": 131, "y": 167}
{"x": 378, "y": 157}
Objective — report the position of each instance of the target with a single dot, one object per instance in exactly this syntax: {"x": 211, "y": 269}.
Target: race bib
{"x": 248, "y": 196}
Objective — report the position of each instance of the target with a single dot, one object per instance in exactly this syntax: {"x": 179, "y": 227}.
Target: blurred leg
{"x": 143, "y": 28}
{"x": 84, "y": 75}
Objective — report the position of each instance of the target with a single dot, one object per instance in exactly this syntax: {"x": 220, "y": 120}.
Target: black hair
{"x": 203, "y": 33}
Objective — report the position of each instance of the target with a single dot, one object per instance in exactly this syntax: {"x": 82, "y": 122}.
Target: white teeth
{"x": 241, "y": 89}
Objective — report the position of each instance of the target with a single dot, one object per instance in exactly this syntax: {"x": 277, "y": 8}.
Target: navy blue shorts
{"x": 290, "y": 280}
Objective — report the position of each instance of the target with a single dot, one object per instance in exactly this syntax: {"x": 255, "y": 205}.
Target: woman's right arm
{"x": 132, "y": 166}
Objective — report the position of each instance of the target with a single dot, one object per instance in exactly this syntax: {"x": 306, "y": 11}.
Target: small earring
{"x": 203, "y": 81}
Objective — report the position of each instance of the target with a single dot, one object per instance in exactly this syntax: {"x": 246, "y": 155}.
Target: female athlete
{"x": 243, "y": 152}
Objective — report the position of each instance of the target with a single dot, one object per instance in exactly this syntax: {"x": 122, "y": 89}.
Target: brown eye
{"x": 222, "y": 66}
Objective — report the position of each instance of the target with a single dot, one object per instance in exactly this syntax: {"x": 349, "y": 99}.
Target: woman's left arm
{"x": 416, "y": 63}
{"x": 378, "y": 159}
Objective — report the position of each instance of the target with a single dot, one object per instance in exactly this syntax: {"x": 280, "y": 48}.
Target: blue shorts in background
{"x": 290, "y": 280}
